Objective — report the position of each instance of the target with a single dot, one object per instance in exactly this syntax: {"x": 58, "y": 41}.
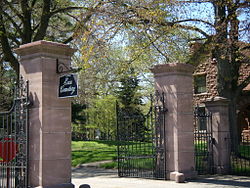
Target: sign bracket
{"x": 62, "y": 68}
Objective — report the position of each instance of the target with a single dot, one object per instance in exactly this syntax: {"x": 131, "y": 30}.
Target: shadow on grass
{"x": 81, "y": 157}
{"x": 107, "y": 142}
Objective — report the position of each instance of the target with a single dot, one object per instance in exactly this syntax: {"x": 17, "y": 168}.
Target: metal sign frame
{"x": 75, "y": 81}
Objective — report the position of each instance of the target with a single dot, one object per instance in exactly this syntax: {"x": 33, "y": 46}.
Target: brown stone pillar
{"x": 175, "y": 80}
{"x": 218, "y": 106}
{"x": 50, "y": 116}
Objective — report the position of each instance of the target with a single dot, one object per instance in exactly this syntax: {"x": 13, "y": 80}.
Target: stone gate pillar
{"x": 50, "y": 116}
{"x": 175, "y": 80}
{"x": 218, "y": 107}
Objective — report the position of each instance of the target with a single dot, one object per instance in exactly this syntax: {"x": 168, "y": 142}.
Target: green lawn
{"x": 92, "y": 151}
{"x": 240, "y": 161}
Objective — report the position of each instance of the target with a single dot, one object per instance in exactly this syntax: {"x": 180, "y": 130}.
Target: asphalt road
{"x": 102, "y": 178}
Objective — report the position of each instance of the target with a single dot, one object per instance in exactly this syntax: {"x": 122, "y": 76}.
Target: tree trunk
{"x": 226, "y": 54}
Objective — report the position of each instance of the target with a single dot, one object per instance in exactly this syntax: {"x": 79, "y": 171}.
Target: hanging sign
{"x": 68, "y": 86}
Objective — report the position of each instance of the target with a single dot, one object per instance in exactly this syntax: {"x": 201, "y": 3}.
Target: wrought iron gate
{"x": 203, "y": 141}
{"x": 141, "y": 141}
{"x": 240, "y": 154}
{"x": 14, "y": 141}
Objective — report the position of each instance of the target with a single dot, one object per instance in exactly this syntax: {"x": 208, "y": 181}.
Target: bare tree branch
{"x": 13, "y": 9}
{"x": 27, "y": 31}
{"x": 243, "y": 4}
{"x": 33, "y": 3}
{"x": 144, "y": 19}
{"x": 65, "y": 10}
{"x": 193, "y": 1}
{"x": 17, "y": 27}
{"x": 6, "y": 48}
{"x": 41, "y": 33}
{"x": 194, "y": 20}
{"x": 68, "y": 40}
{"x": 158, "y": 50}
{"x": 192, "y": 28}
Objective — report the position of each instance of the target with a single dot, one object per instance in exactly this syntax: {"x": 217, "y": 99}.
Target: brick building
{"x": 205, "y": 82}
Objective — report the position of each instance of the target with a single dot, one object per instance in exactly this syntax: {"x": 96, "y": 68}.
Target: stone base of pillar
{"x": 177, "y": 177}
{"x": 181, "y": 177}
{"x": 64, "y": 185}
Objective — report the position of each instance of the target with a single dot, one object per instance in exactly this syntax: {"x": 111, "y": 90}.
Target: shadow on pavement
{"x": 87, "y": 172}
{"x": 82, "y": 173}
{"x": 240, "y": 181}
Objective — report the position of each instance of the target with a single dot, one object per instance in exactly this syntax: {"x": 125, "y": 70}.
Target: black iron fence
{"x": 203, "y": 142}
{"x": 240, "y": 155}
{"x": 141, "y": 140}
{"x": 14, "y": 141}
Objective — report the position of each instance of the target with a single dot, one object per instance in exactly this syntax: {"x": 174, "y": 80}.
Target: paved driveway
{"x": 102, "y": 178}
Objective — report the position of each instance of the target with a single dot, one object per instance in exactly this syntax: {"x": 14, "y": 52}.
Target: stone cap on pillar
{"x": 172, "y": 67}
{"x": 43, "y": 46}
{"x": 215, "y": 101}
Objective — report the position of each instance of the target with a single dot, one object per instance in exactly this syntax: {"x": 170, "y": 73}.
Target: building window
{"x": 200, "y": 84}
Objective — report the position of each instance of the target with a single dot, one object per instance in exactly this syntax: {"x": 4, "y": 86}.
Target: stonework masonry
{"x": 175, "y": 81}
{"x": 50, "y": 116}
{"x": 209, "y": 69}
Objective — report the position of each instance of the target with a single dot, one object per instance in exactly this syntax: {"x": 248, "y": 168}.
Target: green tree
{"x": 102, "y": 72}
{"x": 78, "y": 121}
{"x": 27, "y": 21}
{"x": 101, "y": 117}
{"x": 220, "y": 26}
{"x": 7, "y": 85}
{"x": 78, "y": 116}
{"x": 130, "y": 107}
{"x": 128, "y": 92}
{"x": 230, "y": 26}
{"x": 131, "y": 25}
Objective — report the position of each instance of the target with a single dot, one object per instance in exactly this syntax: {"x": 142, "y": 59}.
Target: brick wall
{"x": 244, "y": 72}
{"x": 210, "y": 70}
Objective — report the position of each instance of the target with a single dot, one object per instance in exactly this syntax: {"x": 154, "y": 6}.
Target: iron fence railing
{"x": 14, "y": 141}
{"x": 141, "y": 142}
{"x": 203, "y": 142}
{"x": 240, "y": 155}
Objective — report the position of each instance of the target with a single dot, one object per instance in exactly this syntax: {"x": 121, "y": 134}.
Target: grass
{"x": 92, "y": 151}
{"x": 139, "y": 164}
{"x": 240, "y": 162}
{"x": 110, "y": 165}
{"x": 202, "y": 158}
